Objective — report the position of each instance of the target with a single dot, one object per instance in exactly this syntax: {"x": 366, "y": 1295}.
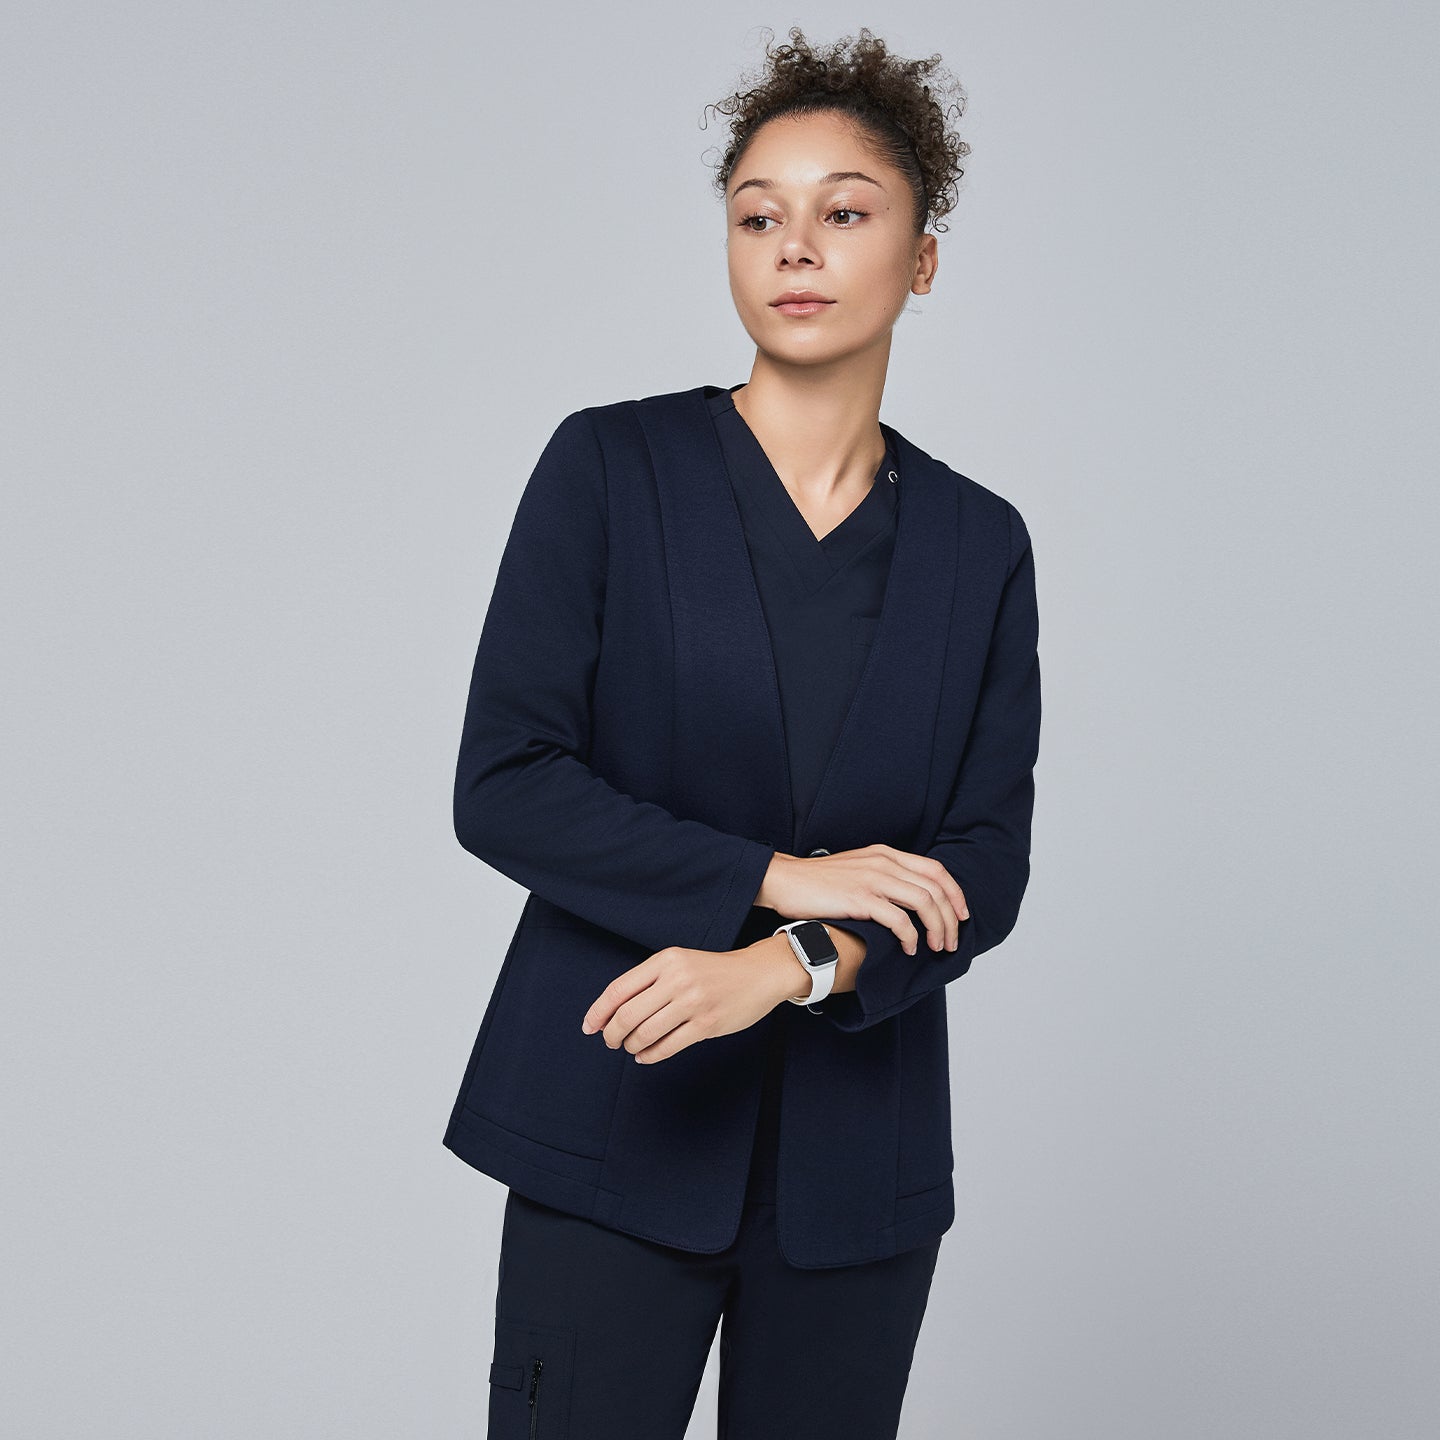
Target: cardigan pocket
{"x": 537, "y": 1073}
{"x": 926, "y": 1157}
{"x": 530, "y": 1381}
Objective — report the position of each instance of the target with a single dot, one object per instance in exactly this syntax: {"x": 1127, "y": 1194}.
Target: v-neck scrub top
{"x": 821, "y": 599}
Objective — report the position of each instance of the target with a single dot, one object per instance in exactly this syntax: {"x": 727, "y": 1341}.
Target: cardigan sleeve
{"x": 525, "y": 800}
{"x": 984, "y": 837}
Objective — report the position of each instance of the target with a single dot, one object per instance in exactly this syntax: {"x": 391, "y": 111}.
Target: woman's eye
{"x": 748, "y": 223}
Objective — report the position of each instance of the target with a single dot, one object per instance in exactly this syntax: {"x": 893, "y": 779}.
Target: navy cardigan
{"x": 623, "y": 758}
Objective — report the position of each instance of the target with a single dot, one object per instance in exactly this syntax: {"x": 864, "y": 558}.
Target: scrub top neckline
{"x": 869, "y": 518}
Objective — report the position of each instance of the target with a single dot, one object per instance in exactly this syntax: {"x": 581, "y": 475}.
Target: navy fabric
{"x": 623, "y": 758}
{"x": 604, "y": 1336}
{"x": 821, "y": 598}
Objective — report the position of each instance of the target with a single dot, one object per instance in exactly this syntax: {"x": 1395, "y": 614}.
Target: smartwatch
{"x": 816, "y": 951}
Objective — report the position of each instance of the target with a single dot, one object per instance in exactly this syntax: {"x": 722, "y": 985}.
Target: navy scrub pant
{"x": 601, "y": 1335}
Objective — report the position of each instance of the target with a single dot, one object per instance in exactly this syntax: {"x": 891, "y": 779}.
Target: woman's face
{"x": 829, "y": 217}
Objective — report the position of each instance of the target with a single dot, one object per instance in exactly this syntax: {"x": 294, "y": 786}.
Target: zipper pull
{"x": 535, "y": 1397}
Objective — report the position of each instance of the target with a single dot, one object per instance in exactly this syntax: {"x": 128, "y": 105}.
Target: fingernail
{"x": 585, "y": 1026}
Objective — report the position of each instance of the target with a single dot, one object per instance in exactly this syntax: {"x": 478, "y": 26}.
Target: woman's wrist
{"x": 792, "y": 979}
{"x": 771, "y": 893}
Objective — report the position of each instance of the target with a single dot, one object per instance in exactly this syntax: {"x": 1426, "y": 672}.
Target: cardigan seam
{"x": 604, "y": 479}
{"x": 724, "y": 898}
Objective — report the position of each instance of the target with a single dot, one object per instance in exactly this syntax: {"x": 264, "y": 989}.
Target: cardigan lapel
{"x": 731, "y": 763}
{"x": 878, "y": 780}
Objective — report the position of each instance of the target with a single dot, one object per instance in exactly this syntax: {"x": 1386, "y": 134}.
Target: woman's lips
{"x": 803, "y": 307}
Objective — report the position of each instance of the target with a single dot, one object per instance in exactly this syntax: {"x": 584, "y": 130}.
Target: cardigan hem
{"x": 493, "y": 1151}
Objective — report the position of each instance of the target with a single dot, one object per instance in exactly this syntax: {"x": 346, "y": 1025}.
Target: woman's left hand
{"x": 678, "y": 996}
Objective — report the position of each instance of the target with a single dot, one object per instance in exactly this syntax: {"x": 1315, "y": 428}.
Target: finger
{"x": 952, "y": 902}
{"x": 635, "y": 1013}
{"x": 909, "y": 892}
{"x": 622, "y": 988}
{"x": 680, "y": 1038}
{"x": 893, "y": 917}
{"x": 655, "y": 1026}
{"x": 951, "y": 886}
{"x": 930, "y": 904}
{"x": 950, "y": 898}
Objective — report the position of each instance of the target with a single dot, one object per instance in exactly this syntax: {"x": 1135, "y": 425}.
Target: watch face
{"x": 815, "y": 940}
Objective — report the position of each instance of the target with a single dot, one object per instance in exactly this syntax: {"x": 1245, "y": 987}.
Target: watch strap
{"x": 822, "y": 972}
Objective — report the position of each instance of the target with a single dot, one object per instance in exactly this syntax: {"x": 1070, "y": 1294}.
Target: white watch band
{"x": 822, "y": 977}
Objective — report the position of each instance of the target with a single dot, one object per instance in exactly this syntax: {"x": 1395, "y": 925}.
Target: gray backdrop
{"x": 293, "y": 297}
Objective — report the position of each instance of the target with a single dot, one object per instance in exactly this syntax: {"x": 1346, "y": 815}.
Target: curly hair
{"x": 893, "y": 99}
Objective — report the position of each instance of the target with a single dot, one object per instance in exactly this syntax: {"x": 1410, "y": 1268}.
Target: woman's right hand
{"x": 875, "y": 882}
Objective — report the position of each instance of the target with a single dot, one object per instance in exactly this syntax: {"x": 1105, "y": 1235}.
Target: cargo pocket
{"x": 530, "y": 1381}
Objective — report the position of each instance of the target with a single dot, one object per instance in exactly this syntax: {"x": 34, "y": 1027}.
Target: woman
{"x": 753, "y": 717}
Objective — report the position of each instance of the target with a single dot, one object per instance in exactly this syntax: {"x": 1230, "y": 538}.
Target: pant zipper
{"x": 535, "y": 1369}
